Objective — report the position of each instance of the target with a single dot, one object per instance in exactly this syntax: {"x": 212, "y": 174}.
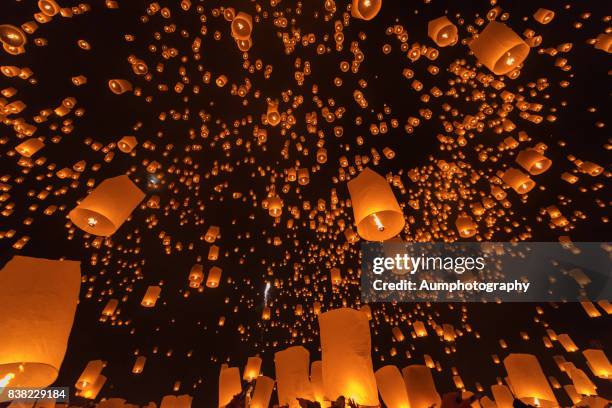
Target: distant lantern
{"x": 119, "y": 86}
{"x": 12, "y": 36}
{"x": 265, "y": 314}
{"x": 567, "y": 343}
{"x": 107, "y": 207}
{"x": 252, "y": 368}
{"x": 292, "y": 375}
{"x": 391, "y": 387}
{"x": 303, "y": 176}
{"x": 604, "y": 42}
{"x": 242, "y": 26}
{"x": 527, "y": 380}
{"x": 90, "y": 373}
{"x": 196, "y": 276}
{"x": 419, "y": 328}
{"x": 519, "y": 181}
{"x": 377, "y": 213}
{"x": 127, "y": 143}
{"x": 543, "y": 16}
{"x": 263, "y": 392}
{"x": 466, "y": 226}
{"x": 336, "y": 276}
{"x": 442, "y": 32}
{"x": 582, "y": 383}
{"x": 346, "y": 356}
{"x": 420, "y": 387}
{"x": 229, "y": 384}
{"x": 365, "y": 9}
{"x": 499, "y": 48}
{"x": 275, "y": 206}
{"x": 151, "y": 296}
{"x": 598, "y": 363}
{"x": 214, "y": 276}
{"x": 139, "y": 364}
{"x": 533, "y": 161}
{"x": 212, "y": 234}
{"x": 213, "y": 253}
{"x": 272, "y": 115}
{"x": 38, "y": 299}
{"x": 29, "y": 147}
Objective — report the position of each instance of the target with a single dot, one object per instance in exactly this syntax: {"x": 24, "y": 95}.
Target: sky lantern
{"x": 543, "y": 16}
{"x": 442, "y": 31}
{"x": 527, "y": 381}
{"x": 263, "y": 392}
{"x": 29, "y": 147}
{"x": 214, "y": 277}
{"x": 127, "y": 143}
{"x": 242, "y": 26}
{"x": 150, "y": 297}
{"x": 139, "y": 364}
{"x": 519, "y": 181}
{"x": 377, "y": 213}
{"x": 466, "y": 226}
{"x": 598, "y": 363}
{"x": 229, "y": 384}
{"x": 499, "y": 48}
{"x": 391, "y": 387}
{"x": 90, "y": 373}
{"x": 38, "y": 298}
{"x": 365, "y": 9}
{"x": 252, "y": 368}
{"x": 345, "y": 351}
{"x": 420, "y": 387}
{"x": 292, "y": 375}
{"x": 107, "y": 207}
{"x": 533, "y": 161}
{"x": 119, "y": 86}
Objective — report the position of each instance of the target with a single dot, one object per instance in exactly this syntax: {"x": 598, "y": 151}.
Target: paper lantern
{"x": 29, "y": 147}
{"x": 316, "y": 381}
{"x": 419, "y": 328}
{"x": 127, "y": 143}
{"x": 150, "y": 297}
{"x": 533, "y": 161}
{"x": 229, "y": 384}
{"x": 292, "y": 375}
{"x": 519, "y": 181}
{"x": 377, "y": 213}
{"x": 420, "y": 387}
{"x": 303, "y": 177}
{"x": 499, "y": 48}
{"x": 212, "y": 234}
{"x": 346, "y": 356}
{"x": 442, "y": 32}
{"x": 502, "y": 395}
{"x": 90, "y": 374}
{"x": 604, "y": 42}
{"x": 365, "y": 9}
{"x": 598, "y": 363}
{"x": 263, "y": 392}
{"x": 527, "y": 381}
{"x": 12, "y": 36}
{"x": 567, "y": 343}
{"x": 391, "y": 387}
{"x": 196, "y": 276}
{"x": 214, "y": 276}
{"x": 466, "y": 226}
{"x": 242, "y": 26}
{"x": 272, "y": 115}
{"x": 119, "y": 86}
{"x": 275, "y": 206}
{"x": 251, "y": 370}
{"x": 110, "y": 307}
{"x": 139, "y": 364}
{"x": 176, "y": 401}
{"x": 38, "y": 299}
{"x": 335, "y": 275}
{"x": 107, "y": 207}
{"x": 543, "y": 16}
{"x": 92, "y": 390}
{"x": 582, "y": 384}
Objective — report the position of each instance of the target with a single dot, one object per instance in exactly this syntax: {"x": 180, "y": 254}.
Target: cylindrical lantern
{"x": 229, "y": 384}
{"x": 316, "y": 381}
{"x": 214, "y": 276}
{"x": 242, "y": 26}
{"x": 346, "y": 356}
{"x": 365, "y": 9}
{"x": 263, "y": 391}
{"x": 92, "y": 390}
{"x": 533, "y": 161}
{"x": 420, "y": 387}
{"x": 90, "y": 374}
{"x": 567, "y": 343}
{"x": 107, "y": 207}
{"x": 336, "y": 276}
{"x": 139, "y": 364}
{"x": 377, "y": 213}
{"x": 502, "y": 395}
{"x": 442, "y": 31}
{"x": 466, "y": 226}
{"x": 150, "y": 297}
{"x": 598, "y": 363}
{"x": 391, "y": 387}
{"x": 275, "y": 206}
{"x": 29, "y": 147}
{"x": 119, "y": 86}
{"x": 127, "y": 144}
{"x": 272, "y": 115}
{"x": 196, "y": 276}
{"x": 213, "y": 253}
{"x": 582, "y": 384}
{"x": 292, "y": 375}
{"x": 543, "y": 16}
{"x": 38, "y": 299}
{"x": 527, "y": 380}
{"x": 251, "y": 370}
{"x": 499, "y": 48}
{"x": 519, "y": 181}
{"x": 212, "y": 234}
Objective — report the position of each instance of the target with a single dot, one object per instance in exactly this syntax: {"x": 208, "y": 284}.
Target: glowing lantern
{"x": 499, "y": 48}
{"x": 397, "y": 334}
{"x": 38, "y": 299}
{"x": 251, "y": 370}
{"x": 419, "y": 328}
{"x": 533, "y": 161}
{"x": 465, "y": 226}
{"x": 176, "y": 401}
{"x": 567, "y": 343}
{"x": 90, "y": 374}
{"x": 127, "y": 144}
{"x": 229, "y": 384}
{"x": 543, "y": 16}
{"x": 196, "y": 276}
{"x": 391, "y": 387}
{"x": 502, "y": 395}
{"x": 519, "y": 181}
{"x": 275, "y": 206}
{"x": 527, "y": 381}
{"x": 442, "y": 31}
{"x": 212, "y": 234}
{"x": 263, "y": 391}
{"x": 29, "y": 147}
{"x": 150, "y": 297}
{"x": 345, "y": 351}
{"x": 12, "y": 36}
{"x": 272, "y": 115}
{"x": 242, "y": 26}
{"x": 598, "y": 363}
{"x": 335, "y": 276}
{"x": 366, "y": 9}
{"x": 265, "y": 314}
{"x": 119, "y": 86}
{"x": 139, "y": 364}
{"x": 92, "y": 390}
{"x": 316, "y": 381}
{"x": 420, "y": 387}
{"x": 110, "y": 307}
{"x": 582, "y": 384}
{"x": 377, "y": 213}
{"x": 292, "y": 375}
{"x": 303, "y": 177}
{"x": 107, "y": 207}
{"x": 214, "y": 276}
{"x": 48, "y": 7}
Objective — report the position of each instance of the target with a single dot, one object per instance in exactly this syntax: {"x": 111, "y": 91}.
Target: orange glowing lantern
{"x": 420, "y": 387}
{"x": 242, "y": 26}
{"x": 533, "y": 161}
{"x": 442, "y": 32}
{"x": 365, "y": 9}
{"x": 229, "y": 384}
{"x": 151, "y": 296}
{"x": 499, "y": 48}
{"x": 391, "y": 387}
{"x": 519, "y": 181}
{"x": 292, "y": 375}
{"x": 527, "y": 380}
